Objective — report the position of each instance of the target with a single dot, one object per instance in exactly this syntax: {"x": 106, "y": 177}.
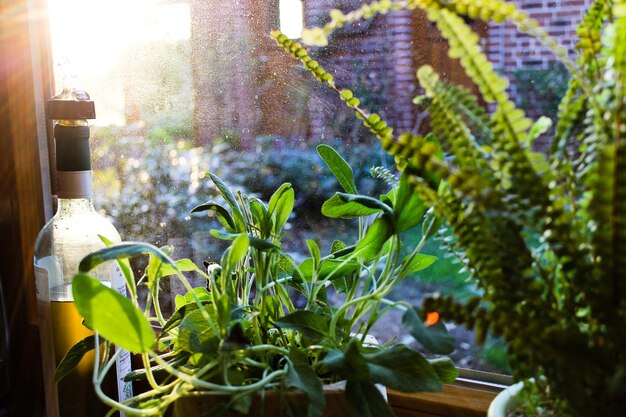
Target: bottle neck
{"x": 74, "y": 185}
{"x": 73, "y": 159}
{"x": 74, "y": 206}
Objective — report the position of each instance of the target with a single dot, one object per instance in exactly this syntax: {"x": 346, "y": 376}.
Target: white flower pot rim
{"x": 505, "y": 401}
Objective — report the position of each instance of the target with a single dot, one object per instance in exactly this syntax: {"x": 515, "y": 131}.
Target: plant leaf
{"x": 127, "y": 271}
{"x": 281, "y": 203}
{"x": 196, "y": 335}
{"x": 337, "y": 267}
{"x": 432, "y": 223}
{"x": 435, "y": 338}
{"x": 238, "y": 220}
{"x": 199, "y": 293}
{"x": 339, "y": 167}
{"x": 238, "y": 249}
{"x": 336, "y": 208}
{"x": 402, "y": 369}
{"x": 121, "y": 251}
{"x": 184, "y": 265}
{"x": 153, "y": 271}
{"x": 301, "y": 376}
{"x": 180, "y": 314}
{"x": 112, "y": 315}
{"x": 260, "y": 215}
{"x": 315, "y": 254}
{"x": 222, "y": 214}
{"x": 348, "y": 364}
{"x": 366, "y": 201}
{"x": 374, "y": 241}
{"x": 311, "y": 324}
{"x": 74, "y": 356}
{"x": 365, "y": 400}
{"x": 255, "y": 242}
{"x": 419, "y": 262}
{"x": 445, "y": 369}
{"x": 408, "y": 208}
{"x": 223, "y": 310}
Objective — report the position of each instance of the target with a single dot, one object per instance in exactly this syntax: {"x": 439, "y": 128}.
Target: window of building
{"x": 187, "y": 87}
{"x": 291, "y": 18}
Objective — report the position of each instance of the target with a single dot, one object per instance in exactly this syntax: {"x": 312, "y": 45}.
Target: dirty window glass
{"x": 183, "y": 88}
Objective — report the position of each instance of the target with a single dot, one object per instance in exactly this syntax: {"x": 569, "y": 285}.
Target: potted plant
{"x": 244, "y": 339}
{"x": 544, "y": 235}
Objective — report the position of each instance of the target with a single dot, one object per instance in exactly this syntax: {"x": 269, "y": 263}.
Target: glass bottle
{"x": 71, "y": 234}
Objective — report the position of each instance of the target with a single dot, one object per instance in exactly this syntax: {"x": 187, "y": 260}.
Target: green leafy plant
{"x": 544, "y": 236}
{"x": 243, "y": 334}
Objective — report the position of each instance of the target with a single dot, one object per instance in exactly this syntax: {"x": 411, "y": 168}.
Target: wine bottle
{"x": 71, "y": 234}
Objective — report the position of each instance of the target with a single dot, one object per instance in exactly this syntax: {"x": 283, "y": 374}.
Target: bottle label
{"x": 41, "y": 284}
{"x": 74, "y": 184}
{"x": 122, "y": 364}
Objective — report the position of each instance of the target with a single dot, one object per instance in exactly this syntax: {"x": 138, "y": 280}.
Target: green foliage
{"x": 544, "y": 236}
{"x": 243, "y": 334}
{"x": 151, "y": 186}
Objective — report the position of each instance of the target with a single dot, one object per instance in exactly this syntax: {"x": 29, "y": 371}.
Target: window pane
{"x": 183, "y": 88}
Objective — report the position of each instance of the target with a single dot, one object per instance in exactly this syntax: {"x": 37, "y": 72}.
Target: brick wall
{"x": 510, "y": 50}
{"x": 395, "y": 45}
{"x": 249, "y": 86}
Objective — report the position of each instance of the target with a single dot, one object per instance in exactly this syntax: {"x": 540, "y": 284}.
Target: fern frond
{"x": 464, "y": 45}
{"x": 372, "y": 121}
{"x": 608, "y": 184}
{"x": 445, "y": 104}
{"x": 384, "y": 174}
{"x": 602, "y": 210}
{"x": 493, "y": 248}
{"x": 573, "y": 117}
{"x": 570, "y": 119}
{"x": 616, "y": 71}
{"x": 589, "y": 39}
{"x": 510, "y": 126}
{"x": 465, "y": 106}
{"x": 574, "y": 104}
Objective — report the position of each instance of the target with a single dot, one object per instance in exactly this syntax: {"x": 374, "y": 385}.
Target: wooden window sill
{"x": 454, "y": 401}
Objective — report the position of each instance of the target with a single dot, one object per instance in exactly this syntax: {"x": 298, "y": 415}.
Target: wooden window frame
{"x": 25, "y": 198}
{"x": 469, "y": 396}
{"x": 26, "y": 203}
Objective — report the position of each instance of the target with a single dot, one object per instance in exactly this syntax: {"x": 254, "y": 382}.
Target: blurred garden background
{"x": 183, "y": 88}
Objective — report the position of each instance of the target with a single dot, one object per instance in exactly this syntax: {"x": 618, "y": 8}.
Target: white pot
{"x": 505, "y": 401}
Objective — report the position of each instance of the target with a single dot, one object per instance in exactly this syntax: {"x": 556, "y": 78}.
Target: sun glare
{"x": 91, "y": 37}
